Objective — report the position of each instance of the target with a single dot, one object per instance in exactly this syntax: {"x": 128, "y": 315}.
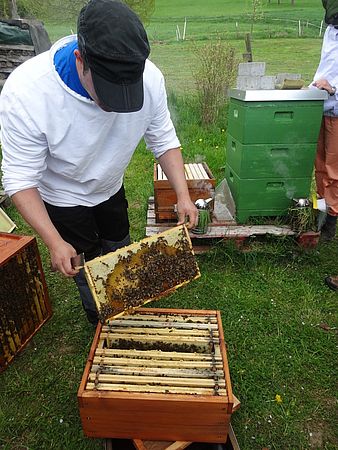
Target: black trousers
{"x": 95, "y": 231}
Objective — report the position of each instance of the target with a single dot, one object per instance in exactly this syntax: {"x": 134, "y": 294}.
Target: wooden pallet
{"x": 221, "y": 229}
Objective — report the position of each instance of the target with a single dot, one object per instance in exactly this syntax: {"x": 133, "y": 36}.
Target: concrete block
{"x": 246, "y": 82}
{"x": 254, "y": 69}
{"x": 280, "y": 77}
{"x": 268, "y": 82}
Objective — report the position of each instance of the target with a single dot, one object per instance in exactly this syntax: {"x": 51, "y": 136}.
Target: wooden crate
{"x": 160, "y": 374}
{"x": 24, "y": 301}
{"x": 201, "y": 184}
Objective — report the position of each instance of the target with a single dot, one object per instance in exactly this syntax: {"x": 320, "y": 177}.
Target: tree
{"x": 13, "y": 9}
{"x": 9, "y": 9}
{"x": 65, "y": 10}
{"x": 257, "y": 12}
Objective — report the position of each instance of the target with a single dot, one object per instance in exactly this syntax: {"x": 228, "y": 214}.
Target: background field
{"x": 278, "y": 316}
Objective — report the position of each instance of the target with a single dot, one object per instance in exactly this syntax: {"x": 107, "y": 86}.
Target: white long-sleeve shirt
{"x": 328, "y": 68}
{"x": 64, "y": 144}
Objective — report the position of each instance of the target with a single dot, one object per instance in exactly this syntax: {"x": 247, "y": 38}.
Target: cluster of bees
{"x": 125, "y": 344}
{"x": 153, "y": 270}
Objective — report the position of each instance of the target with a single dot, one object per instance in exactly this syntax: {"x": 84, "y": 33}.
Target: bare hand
{"x": 323, "y": 85}
{"x": 187, "y": 213}
{"x": 60, "y": 255}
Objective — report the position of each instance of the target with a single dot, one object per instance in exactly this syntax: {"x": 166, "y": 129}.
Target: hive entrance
{"x": 166, "y": 353}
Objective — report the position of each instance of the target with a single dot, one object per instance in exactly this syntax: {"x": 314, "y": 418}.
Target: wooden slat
{"x": 170, "y": 331}
{"x": 160, "y": 445}
{"x": 199, "y": 172}
{"x": 111, "y": 361}
{"x": 210, "y": 372}
{"x": 157, "y": 354}
{"x": 228, "y": 231}
{"x": 155, "y": 381}
{"x": 139, "y": 445}
{"x": 158, "y": 373}
{"x": 155, "y": 389}
{"x": 225, "y": 229}
{"x": 159, "y": 172}
{"x": 188, "y": 172}
{"x": 161, "y": 325}
{"x": 178, "y": 445}
{"x": 203, "y": 171}
{"x": 194, "y": 172}
{"x": 165, "y": 318}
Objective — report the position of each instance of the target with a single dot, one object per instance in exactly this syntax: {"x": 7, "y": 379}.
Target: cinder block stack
{"x": 252, "y": 76}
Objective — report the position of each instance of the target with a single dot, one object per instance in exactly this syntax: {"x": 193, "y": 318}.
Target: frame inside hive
{"x": 141, "y": 272}
{"x": 201, "y": 184}
{"x": 158, "y": 374}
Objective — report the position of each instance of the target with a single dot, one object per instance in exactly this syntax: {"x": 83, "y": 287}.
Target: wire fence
{"x": 227, "y": 28}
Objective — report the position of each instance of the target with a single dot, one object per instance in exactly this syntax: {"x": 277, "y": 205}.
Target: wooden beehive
{"x": 24, "y": 301}
{"x": 160, "y": 374}
{"x": 144, "y": 271}
{"x": 200, "y": 181}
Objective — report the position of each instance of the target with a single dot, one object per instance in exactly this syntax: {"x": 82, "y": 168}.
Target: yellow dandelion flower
{"x": 216, "y": 146}
{"x": 223, "y": 130}
{"x": 278, "y": 398}
{"x": 200, "y": 139}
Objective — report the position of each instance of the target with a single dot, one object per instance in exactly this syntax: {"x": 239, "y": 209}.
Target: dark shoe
{"x": 332, "y": 282}
{"x": 328, "y": 231}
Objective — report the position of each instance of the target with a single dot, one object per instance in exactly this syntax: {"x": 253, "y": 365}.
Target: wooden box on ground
{"x": 201, "y": 184}
{"x": 24, "y": 301}
{"x": 160, "y": 374}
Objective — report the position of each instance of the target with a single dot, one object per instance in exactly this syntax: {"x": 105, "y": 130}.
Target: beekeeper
{"x": 71, "y": 119}
{"x": 326, "y": 164}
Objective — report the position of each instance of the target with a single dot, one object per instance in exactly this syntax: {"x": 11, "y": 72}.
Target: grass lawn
{"x": 279, "y": 318}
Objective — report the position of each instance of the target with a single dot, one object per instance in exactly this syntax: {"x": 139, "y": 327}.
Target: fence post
{"x": 178, "y": 33}
{"x": 184, "y": 28}
{"x": 321, "y": 28}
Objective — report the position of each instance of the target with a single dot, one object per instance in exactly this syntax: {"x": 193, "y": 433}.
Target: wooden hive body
{"x": 24, "y": 301}
{"x": 161, "y": 374}
{"x": 201, "y": 184}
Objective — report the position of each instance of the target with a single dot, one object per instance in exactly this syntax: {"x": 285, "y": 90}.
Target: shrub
{"x": 214, "y": 74}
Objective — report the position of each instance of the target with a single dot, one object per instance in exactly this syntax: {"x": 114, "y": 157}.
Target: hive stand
{"x": 224, "y": 227}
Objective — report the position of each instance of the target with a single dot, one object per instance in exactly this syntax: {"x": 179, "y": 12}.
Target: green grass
{"x": 271, "y": 294}
{"x": 272, "y": 300}
{"x": 275, "y": 38}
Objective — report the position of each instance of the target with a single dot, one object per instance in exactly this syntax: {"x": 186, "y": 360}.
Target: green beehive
{"x": 264, "y": 196}
{"x": 270, "y": 160}
{"x": 271, "y": 146}
{"x": 280, "y": 122}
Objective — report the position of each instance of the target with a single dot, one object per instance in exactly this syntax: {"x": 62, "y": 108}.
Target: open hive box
{"x": 24, "y": 300}
{"x": 141, "y": 272}
{"x": 200, "y": 182}
{"x": 160, "y": 374}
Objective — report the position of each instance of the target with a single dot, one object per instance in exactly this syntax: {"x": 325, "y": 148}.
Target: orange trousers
{"x": 326, "y": 164}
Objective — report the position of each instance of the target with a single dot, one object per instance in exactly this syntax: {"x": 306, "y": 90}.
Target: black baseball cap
{"x": 116, "y": 48}
{"x": 331, "y": 11}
